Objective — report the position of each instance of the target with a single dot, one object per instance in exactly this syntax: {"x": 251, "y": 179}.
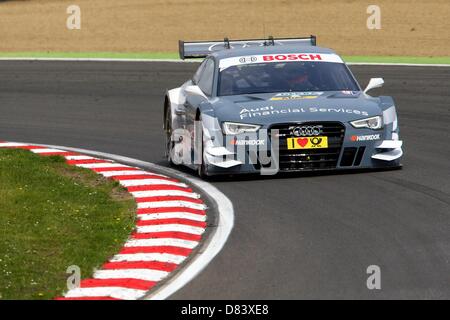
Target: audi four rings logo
{"x": 307, "y": 131}
{"x": 247, "y": 59}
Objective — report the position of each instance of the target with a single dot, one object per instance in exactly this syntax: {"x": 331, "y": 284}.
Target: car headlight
{"x": 371, "y": 123}
{"x": 233, "y": 128}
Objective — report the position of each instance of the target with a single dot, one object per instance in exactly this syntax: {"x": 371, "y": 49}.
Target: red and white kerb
{"x": 171, "y": 222}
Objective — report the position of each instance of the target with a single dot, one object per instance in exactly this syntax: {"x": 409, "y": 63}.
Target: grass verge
{"x": 174, "y": 55}
{"x": 52, "y": 216}
{"x": 408, "y": 60}
{"x": 91, "y": 55}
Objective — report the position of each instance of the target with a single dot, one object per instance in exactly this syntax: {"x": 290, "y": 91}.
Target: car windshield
{"x": 285, "y": 77}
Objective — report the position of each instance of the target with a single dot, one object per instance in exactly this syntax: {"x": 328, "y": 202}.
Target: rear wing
{"x": 201, "y": 49}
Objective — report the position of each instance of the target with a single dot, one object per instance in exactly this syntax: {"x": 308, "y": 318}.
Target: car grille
{"x": 310, "y": 159}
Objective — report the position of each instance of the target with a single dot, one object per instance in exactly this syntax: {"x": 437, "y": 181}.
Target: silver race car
{"x": 276, "y": 105}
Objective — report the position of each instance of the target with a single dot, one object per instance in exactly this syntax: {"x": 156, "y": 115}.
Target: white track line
{"x": 161, "y": 257}
{"x": 101, "y": 165}
{"x": 129, "y": 173}
{"x": 114, "y": 292}
{"x": 172, "y": 215}
{"x": 12, "y": 144}
{"x": 141, "y": 274}
{"x": 168, "y": 204}
{"x": 148, "y": 182}
{"x": 164, "y": 193}
{"x": 80, "y": 158}
{"x": 215, "y": 242}
{"x": 171, "y": 242}
{"x": 170, "y": 228}
{"x": 48, "y": 150}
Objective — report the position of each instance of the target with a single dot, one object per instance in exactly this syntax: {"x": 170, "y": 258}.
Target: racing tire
{"x": 202, "y": 169}
{"x": 168, "y": 133}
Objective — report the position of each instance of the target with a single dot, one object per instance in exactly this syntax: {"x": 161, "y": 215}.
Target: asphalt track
{"x": 295, "y": 237}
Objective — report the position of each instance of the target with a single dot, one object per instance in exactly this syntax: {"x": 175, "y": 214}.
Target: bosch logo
{"x": 301, "y": 57}
{"x": 307, "y": 131}
{"x": 247, "y": 59}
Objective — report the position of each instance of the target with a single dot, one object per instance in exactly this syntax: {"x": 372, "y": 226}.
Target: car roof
{"x": 230, "y": 53}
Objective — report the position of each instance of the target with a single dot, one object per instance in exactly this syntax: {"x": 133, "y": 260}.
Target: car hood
{"x": 272, "y": 108}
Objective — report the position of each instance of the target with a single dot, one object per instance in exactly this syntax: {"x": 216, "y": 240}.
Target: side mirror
{"x": 374, "y": 83}
{"x": 194, "y": 90}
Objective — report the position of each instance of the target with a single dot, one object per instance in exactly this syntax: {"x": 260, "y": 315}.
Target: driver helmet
{"x": 296, "y": 73}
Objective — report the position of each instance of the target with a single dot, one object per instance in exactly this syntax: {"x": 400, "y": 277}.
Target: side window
{"x": 207, "y": 77}
{"x": 198, "y": 73}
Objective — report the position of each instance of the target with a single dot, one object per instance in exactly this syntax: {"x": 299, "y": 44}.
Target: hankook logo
{"x": 306, "y": 131}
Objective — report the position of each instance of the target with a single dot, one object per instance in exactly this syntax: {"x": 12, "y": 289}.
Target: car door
{"x": 200, "y": 91}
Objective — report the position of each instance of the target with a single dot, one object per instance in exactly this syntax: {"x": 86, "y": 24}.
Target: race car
{"x": 276, "y": 105}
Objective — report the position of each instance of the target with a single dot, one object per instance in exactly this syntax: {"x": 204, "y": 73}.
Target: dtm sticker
{"x": 277, "y": 58}
{"x": 367, "y": 137}
{"x": 307, "y": 143}
{"x": 296, "y": 96}
{"x": 247, "y": 113}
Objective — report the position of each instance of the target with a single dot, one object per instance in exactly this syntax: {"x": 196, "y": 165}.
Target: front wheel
{"x": 202, "y": 168}
{"x": 168, "y": 133}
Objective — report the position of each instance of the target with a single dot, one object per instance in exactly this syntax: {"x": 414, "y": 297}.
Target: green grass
{"x": 106, "y": 55}
{"x": 52, "y": 216}
{"x": 412, "y": 60}
{"x": 174, "y": 55}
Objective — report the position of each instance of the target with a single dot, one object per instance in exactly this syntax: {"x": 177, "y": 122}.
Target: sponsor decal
{"x": 350, "y": 93}
{"x": 305, "y": 131}
{"x": 296, "y": 95}
{"x": 247, "y": 59}
{"x": 247, "y": 113}
{"x": 277, "y": 58}
{"x": 293, "y": 57}
{"x": 307, "y": 143}
{"x": 367, "y": 137}
{"x": 256, "y": 142}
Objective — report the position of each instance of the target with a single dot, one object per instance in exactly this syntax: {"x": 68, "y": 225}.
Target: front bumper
{"x": 353, "y": 149}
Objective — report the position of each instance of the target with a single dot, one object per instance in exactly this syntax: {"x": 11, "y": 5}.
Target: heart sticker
{"x": 302, "y": 142}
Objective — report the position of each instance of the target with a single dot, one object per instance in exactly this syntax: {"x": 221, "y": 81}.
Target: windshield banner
{"x": 286, "y": 57}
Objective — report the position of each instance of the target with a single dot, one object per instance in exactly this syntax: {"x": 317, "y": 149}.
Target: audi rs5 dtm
{"x": 276, "y": 105}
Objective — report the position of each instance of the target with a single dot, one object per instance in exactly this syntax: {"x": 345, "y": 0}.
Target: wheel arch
{"x": 198, "y": 113}
{"x": 172, "y": 99}
{"x": 166, "y": 106}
